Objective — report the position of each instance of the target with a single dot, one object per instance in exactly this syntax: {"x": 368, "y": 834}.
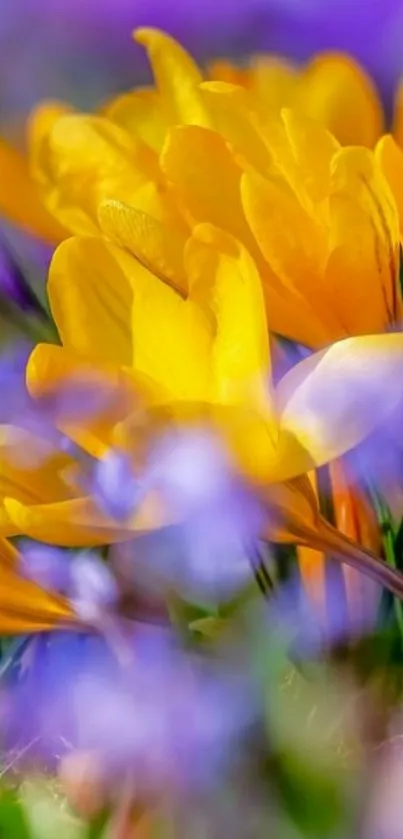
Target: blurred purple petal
{"x": 173, "y": 721}
{"x": 92, "y": 587}
{"x": 207, "y": 553}
{"x": 192, "y": 470}
{"x": 114, "y": 485}
{"x": 48, "y": 566}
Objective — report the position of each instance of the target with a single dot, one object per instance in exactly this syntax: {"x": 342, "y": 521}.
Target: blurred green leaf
{"x": 46, "y": 811}
{"x": 13, "y": 822}
{"x": 97, "y": 828}
{"x": 315, "y": 801}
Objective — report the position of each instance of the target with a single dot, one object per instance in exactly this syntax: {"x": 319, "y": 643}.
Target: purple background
{"x": 82, "y": 50}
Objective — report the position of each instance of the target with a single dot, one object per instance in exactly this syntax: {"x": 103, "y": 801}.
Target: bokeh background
{"x": 82, "y": 50}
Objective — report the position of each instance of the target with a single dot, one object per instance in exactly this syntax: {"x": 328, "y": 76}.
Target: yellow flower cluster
{"x": 199, "y": 220}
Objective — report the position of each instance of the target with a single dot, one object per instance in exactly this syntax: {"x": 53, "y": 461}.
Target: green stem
{"x": 388, "y": 540}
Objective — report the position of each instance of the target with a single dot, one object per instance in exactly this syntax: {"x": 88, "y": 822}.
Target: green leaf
{"x": 13, "y": 823}
{"x": 96, "y": 829}
{"x": 209, "y": 627}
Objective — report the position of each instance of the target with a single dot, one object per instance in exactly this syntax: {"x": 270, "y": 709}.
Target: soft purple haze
{"x": 82, "y": 49}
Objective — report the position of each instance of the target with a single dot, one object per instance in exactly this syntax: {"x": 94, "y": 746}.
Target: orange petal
{"x": 24, "y": 606}
{"x": 293, "y": 517}
{"x": 79, "y": 522}
{"x": 337, "y": 92}
{"x": 312, "y": 567}
{"x": 20, "y": 201}
{"x": 390, "y": 157}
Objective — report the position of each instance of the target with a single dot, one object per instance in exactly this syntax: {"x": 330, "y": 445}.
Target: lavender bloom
{"x": 206, "y": 553}
{"x": 114, "y": 485}
{"x": 47, "y": 566}
{"x": 192, "y": 470}
{"x": 81, "y": 577}
{"x": 35, "y": 718}
{"x": 291, "y": 617}
{"x": 92, "y": 587}
{"x": 170, "y": 721}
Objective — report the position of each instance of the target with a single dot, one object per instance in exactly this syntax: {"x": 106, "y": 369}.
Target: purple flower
{"x": 170, "y": 720}
{"x": 48, "y": 566}
{"x": 206, "y": 553}
{"x": 82, "y": 577}
{"x": 114, "y": 485}
{"x": 191, "y": 469}
{"x": 92, "y": 588}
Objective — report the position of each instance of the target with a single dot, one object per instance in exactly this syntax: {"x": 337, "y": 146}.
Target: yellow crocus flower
{"x": 319, "y": 220}
{"x": 202, "y": 358}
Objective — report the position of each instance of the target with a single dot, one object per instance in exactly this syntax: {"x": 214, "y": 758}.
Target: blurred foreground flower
{"x": 167, "y": 720}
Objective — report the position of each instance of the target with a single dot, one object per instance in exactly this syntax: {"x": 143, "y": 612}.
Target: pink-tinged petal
{"x": 334, "y": 399}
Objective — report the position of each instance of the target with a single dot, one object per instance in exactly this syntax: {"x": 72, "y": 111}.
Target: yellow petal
{"x": 301, "y": 150}
{"x": 274, "y": 81}
{"x": 91, "y": 300}
{"x": 79, "y": 522}
{"x": 176, "y": 75}
{"x": 39, "y": 125}
{"x": 230, "y": 110}
{"x": 295, "y": 248}
{"x": 30, "y": 470}
{"x": 157, "y": 248}
{"x": 58, "y": 376}
{"x": 293, "y": 245}
{"x": 141, "y": 113}
{"x": 366, "y": 243}
{"x": 335, "y": 91}
{"x": 313, "y": 148}
{"x": 20, "y": 201}
{"x": 225, "y": 71}
{"x": 42, "y": 119}
{"x": 332, "y": 400}
{"x": 355, "y": 273}
{"x": 224, "y": 280}
{"x": 86, "y": 160}
{"x": 390, "y": 158}
{"x": 171, "y": 338}
{"x": 199, "y": 163}
{"x": 24, "y": 606}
